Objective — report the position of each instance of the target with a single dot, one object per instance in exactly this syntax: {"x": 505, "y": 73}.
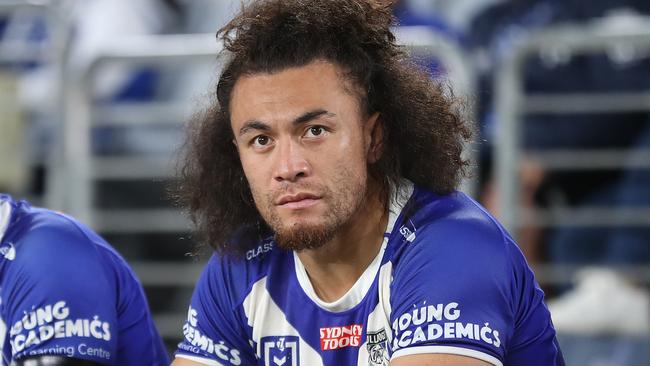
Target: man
{"x": 324, "y": 179}
{"x": 66, "y": 297}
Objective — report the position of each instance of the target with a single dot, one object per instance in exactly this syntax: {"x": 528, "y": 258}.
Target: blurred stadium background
{"x": 94, "y": 94}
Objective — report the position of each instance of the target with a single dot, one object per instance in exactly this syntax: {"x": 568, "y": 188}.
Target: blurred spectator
{"x": 601, "y": 297}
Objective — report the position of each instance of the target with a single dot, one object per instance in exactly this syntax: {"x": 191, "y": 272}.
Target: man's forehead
{"x": 310, "y": 86}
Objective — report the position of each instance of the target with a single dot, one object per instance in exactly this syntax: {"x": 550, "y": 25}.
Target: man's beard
{"x": 343, "y": 206}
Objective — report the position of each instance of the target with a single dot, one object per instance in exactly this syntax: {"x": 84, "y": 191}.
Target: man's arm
{"x": 185, "y": 362}
{"x": 429, "y": 360}
{"x": 412, "y": 360}
{"x": 53, "y": 361}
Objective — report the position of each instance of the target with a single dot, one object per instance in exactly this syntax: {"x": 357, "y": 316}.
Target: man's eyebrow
{"x": 253, "y": 125}
{"x": 311, "y": 115}
{"x": 304, "y": 118}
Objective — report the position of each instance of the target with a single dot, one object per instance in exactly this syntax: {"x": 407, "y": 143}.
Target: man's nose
{"x": 291, "y": 163}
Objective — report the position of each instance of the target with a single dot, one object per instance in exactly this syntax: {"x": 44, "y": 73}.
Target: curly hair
{"x": 423, "y": 130}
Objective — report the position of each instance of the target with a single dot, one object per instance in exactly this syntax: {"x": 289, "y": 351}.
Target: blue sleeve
{"x": 139, "y": 342}
{"x": 463, "y": 287}
{"x": 57, "y": 298}
{"x": 534, "y": 340}
{"x": 213, "y": 332}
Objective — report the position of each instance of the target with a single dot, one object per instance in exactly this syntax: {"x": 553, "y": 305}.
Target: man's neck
{"x": 335, "y": 267}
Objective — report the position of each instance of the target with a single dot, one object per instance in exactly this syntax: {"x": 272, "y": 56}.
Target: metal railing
{"x": 513, "y": 105}
{"x": 84, "y": 168}
{"x": 54, "y": 52}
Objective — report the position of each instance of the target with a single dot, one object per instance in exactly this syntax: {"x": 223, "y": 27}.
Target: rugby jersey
{"x": 64, "y": 291}
{"x": 447, "y": 279}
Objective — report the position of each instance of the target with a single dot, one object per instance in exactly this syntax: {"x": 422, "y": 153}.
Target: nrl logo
{"x": 280, "y": 351}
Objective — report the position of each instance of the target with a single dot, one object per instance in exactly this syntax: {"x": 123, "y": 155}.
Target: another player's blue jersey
{"x": 448, "y": 279}
{"x": 64, "y": 291}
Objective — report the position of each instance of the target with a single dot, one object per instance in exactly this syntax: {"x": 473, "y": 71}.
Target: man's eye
{"x": 315, "y": 131}
{"x": 261, "y": 140}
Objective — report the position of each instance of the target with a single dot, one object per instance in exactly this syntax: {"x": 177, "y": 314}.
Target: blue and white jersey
{"x": 448, "y": 279}
{"x": 64, "y": 291}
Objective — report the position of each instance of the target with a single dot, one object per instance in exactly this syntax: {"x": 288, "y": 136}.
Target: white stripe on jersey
{"x": 5, "y": 215}
{"x": 376, "y": 323}
{"x": 385, "y": 280}
{"x": 271, "y": 321}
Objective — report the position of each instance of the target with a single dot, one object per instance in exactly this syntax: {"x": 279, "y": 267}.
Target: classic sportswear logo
{"x": 408, "y": 231}
{"x": 8, "y": 252}
{"x": 340, "y": 337}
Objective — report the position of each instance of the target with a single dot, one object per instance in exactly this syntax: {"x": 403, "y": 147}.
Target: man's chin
{"x": 304, "y": 237}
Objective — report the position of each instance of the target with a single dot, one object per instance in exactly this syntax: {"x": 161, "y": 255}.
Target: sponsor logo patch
{"x": 340, "y": 337}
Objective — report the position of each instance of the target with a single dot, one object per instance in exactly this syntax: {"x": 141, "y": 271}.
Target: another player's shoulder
{"x": 41, "y": 236}
{"x": 53, "y": 232}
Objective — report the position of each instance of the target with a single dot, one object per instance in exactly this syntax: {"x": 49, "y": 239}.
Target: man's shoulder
{"x": 452, "y": 217}
{"x": 54, "y": 232}
{"x": 452, "y": 230}
{"x": 47, "y": 239}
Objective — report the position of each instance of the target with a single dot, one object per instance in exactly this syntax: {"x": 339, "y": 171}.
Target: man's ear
{"x": 374, "y": 134}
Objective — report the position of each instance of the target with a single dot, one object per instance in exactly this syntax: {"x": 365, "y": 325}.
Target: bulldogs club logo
{"x": 280, "y": 351}
{"x": 376, "y": 343}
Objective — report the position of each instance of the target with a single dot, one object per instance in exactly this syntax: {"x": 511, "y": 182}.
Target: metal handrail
{"x": 56, "y": 54}
{"x": 512, "y": 103}
{"x": 142, "y": 50}
{"x": 17, "y": 51}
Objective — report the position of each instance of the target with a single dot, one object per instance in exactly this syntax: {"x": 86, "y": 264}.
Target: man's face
{"x": 305, "y": 148}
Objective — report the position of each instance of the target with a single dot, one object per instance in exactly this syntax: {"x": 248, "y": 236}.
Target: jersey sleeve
{"x": 213, "y": 332}
{"x": 56, "y": 296}
{"x": 462, "y": 287}
{"x": 139, "y": 342}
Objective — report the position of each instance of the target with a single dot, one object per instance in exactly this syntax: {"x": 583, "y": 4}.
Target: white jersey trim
{"x": 5, "y": 216}
{"x": 201, "y": 360}
{"x": 447, "y": 350}
{"x": 358, "y": 291}
{"x": 398, "y": 200}
{"x": 355, "y": 294}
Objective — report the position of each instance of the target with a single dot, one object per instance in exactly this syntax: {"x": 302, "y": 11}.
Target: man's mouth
{"x": 298, "y": 201}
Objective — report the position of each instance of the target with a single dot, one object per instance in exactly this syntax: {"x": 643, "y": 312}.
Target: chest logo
{"x": 281, "y": 351}
{"x": 376, "y": 343}
{"x": 339, "y": 337}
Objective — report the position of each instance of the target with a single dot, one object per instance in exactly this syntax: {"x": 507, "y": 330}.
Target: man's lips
{"x": 300, "y": 200}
